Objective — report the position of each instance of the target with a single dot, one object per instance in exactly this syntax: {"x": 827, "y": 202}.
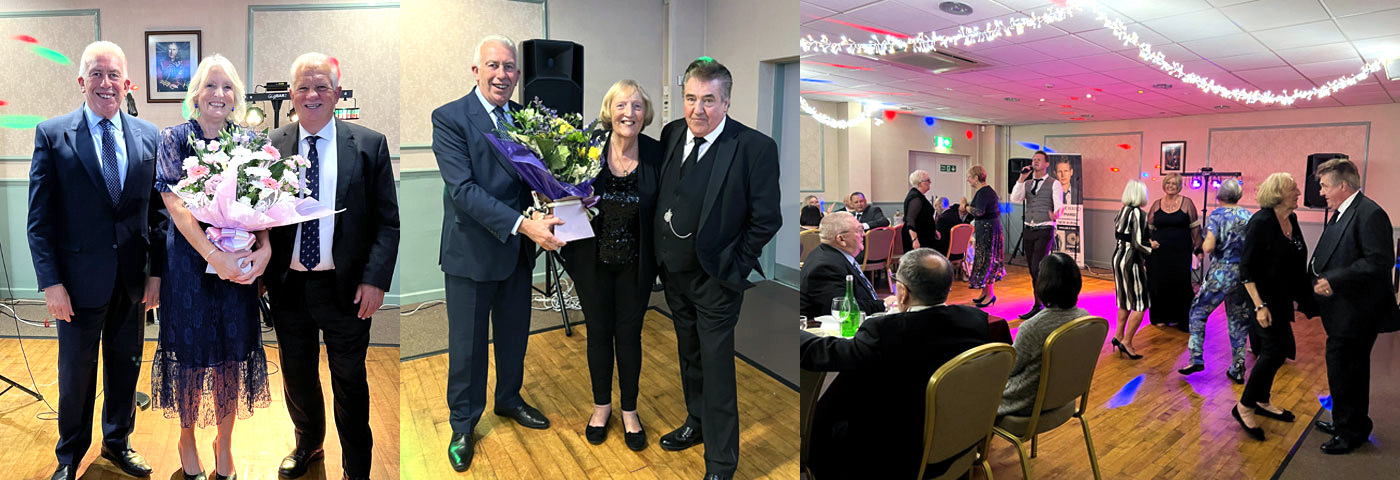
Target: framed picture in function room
{"x": 1173, "y": 157}
{"x": 171, "y": 59}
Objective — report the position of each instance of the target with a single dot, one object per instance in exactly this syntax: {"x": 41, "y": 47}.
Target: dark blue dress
{"x": 210, "y": 361}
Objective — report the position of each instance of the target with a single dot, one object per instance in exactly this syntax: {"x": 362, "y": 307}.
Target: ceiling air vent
{"x": 931, "y": 62}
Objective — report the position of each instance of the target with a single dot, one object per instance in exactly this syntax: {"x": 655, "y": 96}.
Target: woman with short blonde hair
{"x": 1130, "y": 254}
{"x": 1174, "y": 225}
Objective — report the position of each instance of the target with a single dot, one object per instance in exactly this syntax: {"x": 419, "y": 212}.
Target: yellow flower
{"x": 594, "y": 152}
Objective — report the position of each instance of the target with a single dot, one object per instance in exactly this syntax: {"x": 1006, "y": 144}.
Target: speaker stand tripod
{"x": 553, "y": 274}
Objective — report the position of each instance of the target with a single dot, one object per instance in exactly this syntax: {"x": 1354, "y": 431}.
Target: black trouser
{"x": 705, "y": 313}
{"x": 1275, "y": 346}
{"x": 308, "y": 310}
{"x": 118, "y": 328}
{"x": 1036, "y": 241}
{"x": 472, "y": 307}
{"x": 613, "y": 306}
{"x": 1349, "y": 379}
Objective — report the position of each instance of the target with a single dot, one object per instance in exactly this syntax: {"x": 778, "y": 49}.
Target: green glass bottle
{"x": 850, "y": 310}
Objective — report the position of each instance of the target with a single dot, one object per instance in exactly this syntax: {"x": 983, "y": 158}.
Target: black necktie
{"x": 1333, "y": 220}
{"x": 109, "y": 161}
{"x": 311, "y": 230}
{"x": 1035, "y": 187}
{"x": 693, "y": 158}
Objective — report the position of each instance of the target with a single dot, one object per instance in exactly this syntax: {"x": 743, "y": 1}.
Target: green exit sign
{"x": 948, "y": 168}
{"x": 945, "y": 142}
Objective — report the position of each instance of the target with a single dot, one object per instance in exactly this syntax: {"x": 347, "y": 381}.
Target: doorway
{"x": 949, "y": 174}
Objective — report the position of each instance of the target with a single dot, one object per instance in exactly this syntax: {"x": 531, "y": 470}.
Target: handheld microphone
{"x": 1025, "y": 169}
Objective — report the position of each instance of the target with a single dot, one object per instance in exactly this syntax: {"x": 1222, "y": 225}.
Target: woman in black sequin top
{"x": 613, "y": 271}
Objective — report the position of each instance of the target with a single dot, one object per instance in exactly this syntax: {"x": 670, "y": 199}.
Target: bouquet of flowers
{"x": 239, "y": 184}
{"x": 558, "y": 157}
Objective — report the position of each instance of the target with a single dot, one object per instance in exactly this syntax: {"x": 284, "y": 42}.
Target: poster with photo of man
{"x": 1070, "y": 226}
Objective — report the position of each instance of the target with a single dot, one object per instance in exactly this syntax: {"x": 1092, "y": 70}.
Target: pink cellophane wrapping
{"x": 231, "y": 221}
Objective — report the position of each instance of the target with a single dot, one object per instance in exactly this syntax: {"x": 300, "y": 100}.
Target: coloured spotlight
{"x": 929, "y": 121}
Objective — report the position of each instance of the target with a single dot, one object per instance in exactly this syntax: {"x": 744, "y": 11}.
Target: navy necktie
{"x": 693, "y": 158}
{"x": 499, "y": 115}
{"x": 109, "y": 161}
{"x": 865, "y": 281}
{"x": 311, "y": 230}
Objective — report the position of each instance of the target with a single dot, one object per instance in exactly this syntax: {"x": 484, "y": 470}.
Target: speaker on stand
{"x": 553, "y": 73}
{"x": 1312, "y": 192}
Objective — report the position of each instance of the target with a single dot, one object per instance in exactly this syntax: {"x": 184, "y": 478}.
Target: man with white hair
{"x": 90, "y": 184}
{"x": 825, "y": 269}
{"x": 328, "y": 276}
{"x": 488, "y": 250}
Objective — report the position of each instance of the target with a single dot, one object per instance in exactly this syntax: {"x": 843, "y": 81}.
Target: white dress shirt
{"x": 1018, "y": 195}
{"x": 327, "y": 173}
{"x": 705, "y": 147}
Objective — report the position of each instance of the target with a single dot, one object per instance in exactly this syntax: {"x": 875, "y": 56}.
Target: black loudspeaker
{"x": 1312, "y": 192}
{"x": 553, "y": 72}
{"x": 1013, "y": 172}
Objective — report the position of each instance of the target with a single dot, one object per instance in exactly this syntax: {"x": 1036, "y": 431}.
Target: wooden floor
{"x": 1174, "y": 427}
{"x": 260, "y": 442}
{"x": 557, "y": 382}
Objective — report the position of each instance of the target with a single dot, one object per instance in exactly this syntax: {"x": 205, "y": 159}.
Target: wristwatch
{"x": 1261, "y": 307}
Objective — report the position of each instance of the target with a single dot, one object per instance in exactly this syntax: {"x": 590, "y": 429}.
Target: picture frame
{"x": 171, "y": 59}
{"x": 1173, "y": 157}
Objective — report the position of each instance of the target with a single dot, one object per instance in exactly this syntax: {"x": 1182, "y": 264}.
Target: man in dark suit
{"x": 1352, "y": 264}
{"x": 825, "y": 270}
{"x": 950, "y": 218}
{"x": 328, "y": 276}
{"x": 90, "y": 184}
{"x": 889, "y": 362}
{"x": 486, "y": 256}
{"x": 717, "y": 208}
{"x": 868, "y": 216}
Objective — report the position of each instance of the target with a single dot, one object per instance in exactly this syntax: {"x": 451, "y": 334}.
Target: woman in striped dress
{"x": 1129, "y": 266}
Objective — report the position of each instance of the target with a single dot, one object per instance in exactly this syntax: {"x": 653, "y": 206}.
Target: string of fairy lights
{"x": 967, "y": 36}
{"x": 866, "y": 114}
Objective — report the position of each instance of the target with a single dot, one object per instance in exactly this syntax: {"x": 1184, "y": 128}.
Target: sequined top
{"x": 616, "y": 225}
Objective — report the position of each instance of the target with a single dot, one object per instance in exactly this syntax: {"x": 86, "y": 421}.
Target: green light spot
{"x": 52, "y": 55}
{"x": 20, "y": 122}
{"x": 706, "y": 59}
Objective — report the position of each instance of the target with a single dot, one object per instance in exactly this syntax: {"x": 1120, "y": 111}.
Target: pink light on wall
{"x": 868, "y": 28}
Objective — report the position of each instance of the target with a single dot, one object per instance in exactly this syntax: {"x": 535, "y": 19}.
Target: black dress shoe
{"x": 526, "y": 416}
{"x": 294, "y": 465}
{"x": 1285, "y": 416}
{"x": 716, "y": 476}
{"x": 1326, "y": 427}
{"x": 681, "y": 438}
{"x": 129, "y": 461}
{"x": 596, "y": 435}
{"x": 459, "y": 452}
{"x": 65, "y": 472}
{"x": 1340, "y": 446}
{"x": 1257, "y": 433}
{"x": 637, "y": 441}
{"x": 348, "y": 477}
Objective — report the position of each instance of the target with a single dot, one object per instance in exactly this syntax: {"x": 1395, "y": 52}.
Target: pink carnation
{"x": 303, "y": 161}
{"x": 198, "y": 171}
{"x": 271, "y": 151}
{"x": 270, "y": 183}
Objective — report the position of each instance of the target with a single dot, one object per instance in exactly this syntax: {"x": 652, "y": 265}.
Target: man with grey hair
{"x": 717, "y": 207}
{"x": 891, "y": 359}
{"x": 1351, "y": 267}
{"x": 90, "y": 184}
{"x": 327, "y": 277}
{"x": 487, "y": 251}
{"x": 825, "y": 269}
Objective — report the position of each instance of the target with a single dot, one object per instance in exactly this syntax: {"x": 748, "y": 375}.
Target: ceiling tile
{"x": 1141, "y": 10}
{"x": 1342, "y": 8}
{"x": 1323, "y": 72}
{"x": 1068, "y": 46}
{"x": 1055, "y": 68}
{"x": 811, "y": 12}
{"x": 1106, "y": 61}
{"x": 1104, "y": 37}
{"x": 1321, "y": 53}
{"x": 1247, "y": 62}
{"x": 1370, "y": 25}
{"x": 1254, "y": 16}
{"x": 895, "y": 16}
{"x": 982, "y": 11}
{"x": 1226, "y": 46}
{"x": 1272, "y": 75}
{"x": 1024, "y": 5}
{"x": 1048, "y": 31}
{"x": 1010, "y": 55}
{"x": 1378, "y": 48}
{"x": 1091, "y": 79}
{"x": 1193, "y": 26}
{"x": 1315, "y": 33}
{"x": 839, "y": 5}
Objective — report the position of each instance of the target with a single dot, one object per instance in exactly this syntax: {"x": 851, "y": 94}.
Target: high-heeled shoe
{"x": 217, "y": 475}
{"x": 1193, "y": 368}
{"x": 1123, "y": 350}
{"x": 987, "y": 303}
{"x": 1256, "y": 432}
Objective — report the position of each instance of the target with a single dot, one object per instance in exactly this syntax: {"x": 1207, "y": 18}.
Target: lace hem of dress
{"x": 201, "y": 395}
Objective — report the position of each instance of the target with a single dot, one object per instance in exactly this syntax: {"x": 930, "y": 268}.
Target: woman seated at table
{"x": 1057, "y": 289}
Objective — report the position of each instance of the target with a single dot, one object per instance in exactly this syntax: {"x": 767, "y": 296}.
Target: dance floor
{"x": 30, "y": 431}
{"x": 557, "y": 382}
{"x": 1149, "y": 422}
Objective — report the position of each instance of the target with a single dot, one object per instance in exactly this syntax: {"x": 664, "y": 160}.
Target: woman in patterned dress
{"x": 1224, "y": 242}
{"x": 986, "y": 230}
{"x": 1130, "y": 266}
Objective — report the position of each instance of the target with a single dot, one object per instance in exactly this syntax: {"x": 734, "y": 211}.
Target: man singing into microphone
{"x": 1042, "y": 206}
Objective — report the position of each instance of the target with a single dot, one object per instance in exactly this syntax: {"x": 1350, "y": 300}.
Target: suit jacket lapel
{"x": 671, "y": 145}
{"x": 1332, "y": 236}
{"x": 481, "y": 119}
{"x": 134, "y": 156}
{"x": 81, "y": 143}
{"x": 723, "y": 156}
{"x": 346, "y": 161}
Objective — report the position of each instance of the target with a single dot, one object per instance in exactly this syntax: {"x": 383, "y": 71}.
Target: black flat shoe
{"x": 459, "y": 451}
{"x": 1284, "y": 416}
{"x": 681, "y": 438}
{"x": 294, "y": 465}
{"x": 526, "y": 416}
{"x": 1257, "y": 433}
{"x": 198, "y": 476}
{"x": 637, "y": 441}
{"x": 1341, "y": 446}
{"x": 596, "y": 435}
{"x": 1195, "y": 367}
{"x": 1326, "y": 427}
{"x": 129, "y": 461}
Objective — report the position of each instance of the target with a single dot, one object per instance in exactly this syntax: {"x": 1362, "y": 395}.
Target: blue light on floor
{"x": 1126, "y": 394}
{"x": 1326, "y": 401}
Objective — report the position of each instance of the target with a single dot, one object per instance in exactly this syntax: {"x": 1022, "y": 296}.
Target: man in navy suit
{"x": 1351, "y": 264}
{"x": 717, "y": 208}
{"x": 488, "y": 250}
{"x": 90, "y": 185}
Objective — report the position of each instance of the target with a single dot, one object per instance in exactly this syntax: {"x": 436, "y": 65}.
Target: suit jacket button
{"x": 114, "y": 246}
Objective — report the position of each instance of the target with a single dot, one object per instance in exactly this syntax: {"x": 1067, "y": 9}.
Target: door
{"x": 949, "y": 174}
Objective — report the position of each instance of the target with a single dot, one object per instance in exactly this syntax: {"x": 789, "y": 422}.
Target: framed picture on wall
{"x": 1173, "y": 157}
{"x": 171, "y": 58}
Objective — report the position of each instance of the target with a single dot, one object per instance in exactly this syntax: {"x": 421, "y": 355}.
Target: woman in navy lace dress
{"x": 209, "y": 367}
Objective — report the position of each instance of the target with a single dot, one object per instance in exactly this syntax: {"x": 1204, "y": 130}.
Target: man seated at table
{"x": 950, "y": 218}
{"x": 824, "y": 272}
{"x": 867, "y": 215}
{"x": 870, "y": 422}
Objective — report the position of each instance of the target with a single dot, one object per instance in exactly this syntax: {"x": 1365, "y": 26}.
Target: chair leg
{"x": 1020, "y": 450}
{"x": 1034, "y": 440}
{"x": 1089, "y": 441}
